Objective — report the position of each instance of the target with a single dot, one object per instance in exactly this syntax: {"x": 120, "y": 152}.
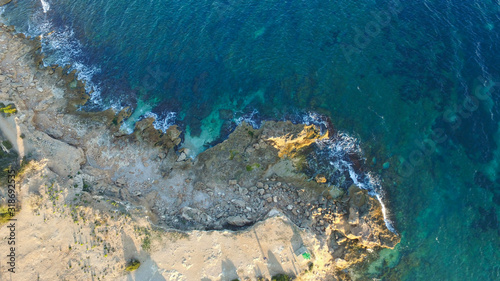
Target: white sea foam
{"x": 250, "y": 119}
{"x": 372, "y": 184}
{"x": 62, "y": 48}
{"x": 45, "y": 6}
{"x": 162, "y": 123}
{"x": 338, "y": 150}
{"x": 314, "y": 119}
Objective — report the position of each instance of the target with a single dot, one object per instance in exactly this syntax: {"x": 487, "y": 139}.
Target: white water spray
{"x": 338, "y": 149}
{"x": 371, "y": 189}
{"x": 250, "y": 119}
{"x": 45, "y": 6}
{"x": 164, "y": 123}
{"x": 388, "y": 223}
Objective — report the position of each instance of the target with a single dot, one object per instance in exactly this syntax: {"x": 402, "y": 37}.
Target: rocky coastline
{"x": 92, "y": 199}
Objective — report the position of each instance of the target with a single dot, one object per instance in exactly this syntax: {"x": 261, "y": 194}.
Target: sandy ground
{"x": 51, "y": 246}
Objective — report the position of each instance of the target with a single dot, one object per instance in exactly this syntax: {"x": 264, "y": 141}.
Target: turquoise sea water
{"x": 417, "y": 82}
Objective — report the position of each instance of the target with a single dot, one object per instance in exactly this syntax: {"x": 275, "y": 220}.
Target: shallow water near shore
{"x": 414, "y": 82}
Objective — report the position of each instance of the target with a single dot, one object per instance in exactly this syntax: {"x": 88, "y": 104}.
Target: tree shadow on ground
{"x": 228, "y": 270}
{"x": 273, "y": 265}
{"x": 148, "y": 270}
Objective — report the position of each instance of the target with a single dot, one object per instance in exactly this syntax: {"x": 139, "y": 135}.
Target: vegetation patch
{"x": 86, "y": 187}
{"x": 281, "y": 277}
{"x": 253, "y": 166}
{"x": 7, "y": 110}
{"x": 133, "y": 265}
{"x": 7, "y": 144}
{"x": 4, "y": 214}
{"x": 8, "y": 160}
{"x": 23, "y": 167}
{"x": 232, "y": 154}
{"x": 176, "y": 235}
{"x": 146, "y": 243}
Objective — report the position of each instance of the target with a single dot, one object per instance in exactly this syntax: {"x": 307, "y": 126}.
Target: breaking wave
{"x": 164, "y": 121}
{"x": 251, "y": 118}
{"x": 335, "y": 156}
{"x": 61, "y": 47}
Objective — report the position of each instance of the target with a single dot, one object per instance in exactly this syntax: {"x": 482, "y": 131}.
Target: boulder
{"x": 182, "y": 157}
{"x": 190, "y": 214}
{"x": 238, "y": 221}
{"x": 353, "y": 216}
{"x": 120, "y": 182}
{"x": 239, "y": 203}
{"x": 64, "y": 159}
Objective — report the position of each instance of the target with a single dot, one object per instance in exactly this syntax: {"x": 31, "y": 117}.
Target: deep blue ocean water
{"x": 417, "y": 82}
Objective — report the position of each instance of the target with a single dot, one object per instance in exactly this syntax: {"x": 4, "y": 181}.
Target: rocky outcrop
{"x": 145, "y": 132}
{"x": 236, "y": 185}
{"x": 64, "y": 159}
{"x": 4, "y": 2}
{"x": 291, "y": 141}
{"x": 238, "y": 220}
{"x": 364, "y": 221}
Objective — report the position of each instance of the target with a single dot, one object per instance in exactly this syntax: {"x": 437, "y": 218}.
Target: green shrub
{"x": 7, "y": 110}
{"x": 4, "y": 215}
{"x": 86, "y": 187}
{"x": 133, "y": 265}
{"x": 253, "y": 166}
{"x": 232, "y": 154}
{"x": 281, "y": 277}
{"x": 7, "y": 144}
{"x": 146, "y": 243}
